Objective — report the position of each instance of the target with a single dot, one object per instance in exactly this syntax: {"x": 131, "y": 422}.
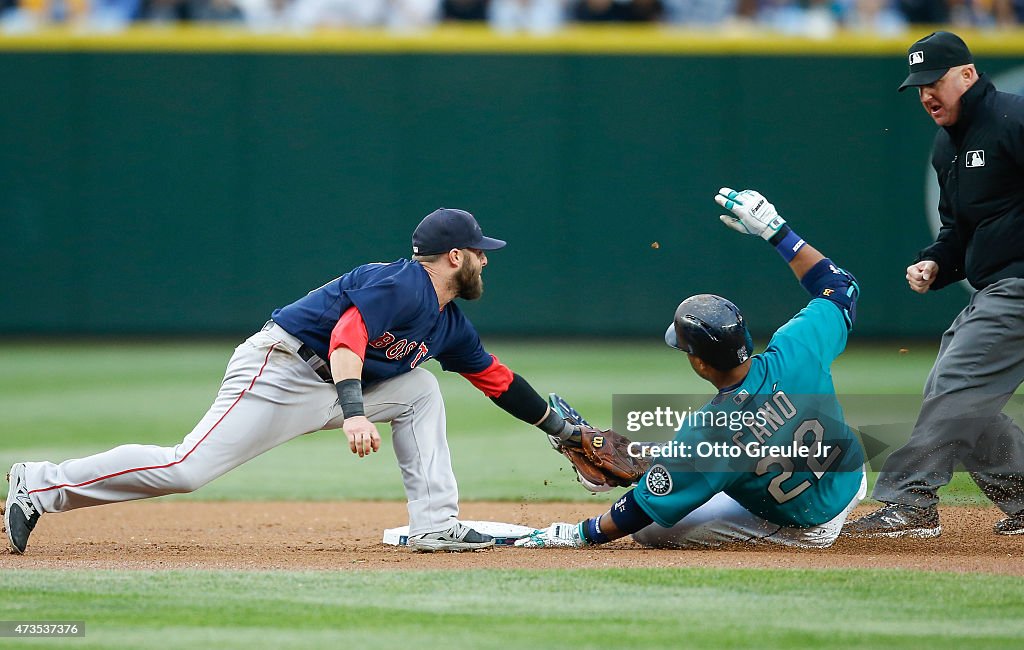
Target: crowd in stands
{"x": 808, "y": 17}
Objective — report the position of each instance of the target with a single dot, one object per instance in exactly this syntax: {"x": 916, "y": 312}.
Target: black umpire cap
{"x": 933, "y": 56}
{"x": 448, "y": 228}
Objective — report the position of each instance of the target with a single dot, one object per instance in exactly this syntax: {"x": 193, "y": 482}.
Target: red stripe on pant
{"x": 205, "y": 436}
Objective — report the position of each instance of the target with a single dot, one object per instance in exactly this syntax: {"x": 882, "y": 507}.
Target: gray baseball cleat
{"x": 458, "y": 537}
{"x": 896, "y": 520}
{"x": 1012, "y": 525}
{"x": 20, "y": 516}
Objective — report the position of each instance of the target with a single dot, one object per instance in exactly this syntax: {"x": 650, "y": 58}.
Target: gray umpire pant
{"x": 979, "y": 366}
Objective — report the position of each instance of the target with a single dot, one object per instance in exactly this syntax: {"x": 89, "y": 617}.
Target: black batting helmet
{"x": 711, "y": 328}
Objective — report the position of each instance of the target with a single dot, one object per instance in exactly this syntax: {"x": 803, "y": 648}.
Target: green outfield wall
{"x": 168, "y": 183}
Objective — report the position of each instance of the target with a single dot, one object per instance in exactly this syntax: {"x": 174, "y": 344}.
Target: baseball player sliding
{"x": 346, "y": 355}
{"x": 793, "y": 470}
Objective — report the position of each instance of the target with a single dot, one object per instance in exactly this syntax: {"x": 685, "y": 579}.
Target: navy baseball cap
{"x": 448, "y": 228}
{"x": 932, "y": 56}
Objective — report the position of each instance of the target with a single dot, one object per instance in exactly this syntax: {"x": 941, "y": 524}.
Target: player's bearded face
{"x": 469, "y": 283}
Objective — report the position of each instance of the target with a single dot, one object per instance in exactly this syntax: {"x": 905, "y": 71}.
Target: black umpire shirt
{"x": 979, "y": 162}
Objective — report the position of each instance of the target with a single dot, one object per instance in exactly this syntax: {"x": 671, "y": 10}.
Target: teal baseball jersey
{"x": 777, "y": 443}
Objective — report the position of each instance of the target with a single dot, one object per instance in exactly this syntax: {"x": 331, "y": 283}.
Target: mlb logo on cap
{"x": 932, "y": 56}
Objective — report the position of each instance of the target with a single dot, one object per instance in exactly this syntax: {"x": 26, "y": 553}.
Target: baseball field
{"x": 286, "y": 550}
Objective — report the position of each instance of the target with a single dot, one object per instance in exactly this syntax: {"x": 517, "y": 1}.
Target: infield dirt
{"x": 347, "y": 535}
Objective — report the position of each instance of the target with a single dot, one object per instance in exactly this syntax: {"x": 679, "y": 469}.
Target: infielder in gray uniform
{"x": 978, "y": 157}
{"x": 346, "y": 355}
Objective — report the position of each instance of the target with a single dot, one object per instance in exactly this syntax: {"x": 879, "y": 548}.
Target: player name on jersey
{"x": 772, "y": 414}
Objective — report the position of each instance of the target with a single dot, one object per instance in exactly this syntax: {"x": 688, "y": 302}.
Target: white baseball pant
{"x": 269, "y": 396}
{"x": 723, "y": 520}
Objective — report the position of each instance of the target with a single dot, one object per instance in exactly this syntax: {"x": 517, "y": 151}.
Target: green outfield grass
{"x": 599, "y": 609}
{"x": 62, "y": 401}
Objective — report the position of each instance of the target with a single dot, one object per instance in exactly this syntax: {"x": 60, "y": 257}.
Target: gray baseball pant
{"x": 269, "y": 396}
{"x": 979, "y": 366}
{"x": 722, "y": 520}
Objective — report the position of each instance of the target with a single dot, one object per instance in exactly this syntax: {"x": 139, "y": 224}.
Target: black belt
{"x": 312, "y": 359}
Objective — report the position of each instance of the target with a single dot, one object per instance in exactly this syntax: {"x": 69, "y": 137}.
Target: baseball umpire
{"x": 346, "y": 355}
{"x": 794, "y": 471}
{"x": 978, "y": 156}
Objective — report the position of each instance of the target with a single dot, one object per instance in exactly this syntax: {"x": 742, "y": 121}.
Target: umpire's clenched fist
{"x": 921, "y": 275}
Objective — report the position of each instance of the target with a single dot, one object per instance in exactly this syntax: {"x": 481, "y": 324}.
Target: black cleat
{"x": 1012, "y": 525}
{"x": 20, "y": 516}
{"x": 896, "y": 520}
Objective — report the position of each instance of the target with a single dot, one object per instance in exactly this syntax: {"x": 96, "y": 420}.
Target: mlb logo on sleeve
{"x": 917, "y": 57}
{"x": 976, "y": 158}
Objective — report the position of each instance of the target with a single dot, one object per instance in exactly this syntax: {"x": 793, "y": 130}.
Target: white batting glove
{"x": 752, "y": 214}
{"x": 557, "y": 535}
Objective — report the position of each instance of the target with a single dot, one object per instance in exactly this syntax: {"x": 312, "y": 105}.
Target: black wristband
{"x": 553, "y": 424}
{"x": 350, "y": 397}
{"x": 777, "y": 238}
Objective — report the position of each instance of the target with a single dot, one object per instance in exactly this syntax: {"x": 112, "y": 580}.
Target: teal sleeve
{"x": 818, "y": 331}
{"x": 686, "y": 491}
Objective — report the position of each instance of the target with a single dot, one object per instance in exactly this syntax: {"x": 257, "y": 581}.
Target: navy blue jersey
{"x": 404, "y": 324}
